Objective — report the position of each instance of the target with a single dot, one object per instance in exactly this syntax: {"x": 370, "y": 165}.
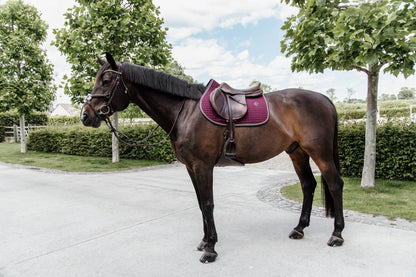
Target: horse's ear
{"x": 111, "y": 61}
{"x": 100, "y": 61}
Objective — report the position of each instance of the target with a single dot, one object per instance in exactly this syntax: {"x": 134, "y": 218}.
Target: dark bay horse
{"x": 302, "y": 123}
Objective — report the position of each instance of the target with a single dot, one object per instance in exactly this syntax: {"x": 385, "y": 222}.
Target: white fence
{"x": 14, "y": 134}
{"x": 413, "y": 113}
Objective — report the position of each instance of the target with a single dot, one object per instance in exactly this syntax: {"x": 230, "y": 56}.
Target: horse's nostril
{"x": 84, "y": 116}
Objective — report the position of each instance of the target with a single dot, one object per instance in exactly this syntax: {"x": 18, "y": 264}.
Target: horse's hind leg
{"x": 202, "y": 179}
{"x": 300, "y": 161}
{"x": 333, "y": 186}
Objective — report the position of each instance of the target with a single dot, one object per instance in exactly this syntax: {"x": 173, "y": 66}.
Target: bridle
{"x": 106, "y": 111}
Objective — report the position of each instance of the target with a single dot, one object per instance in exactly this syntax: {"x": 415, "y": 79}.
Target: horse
{"x": 302, "y": 123}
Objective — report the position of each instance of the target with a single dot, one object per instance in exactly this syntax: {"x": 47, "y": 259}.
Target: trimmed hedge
{"x": 84, "y": 141}
{"x": 396, "y": 150}
{"x": 396, "y": 146}
{"x": 63, "y": 120}
{"x": 351, "y": 114}
{"x": 388, "y": 113}
{"x": 10, "y": 118}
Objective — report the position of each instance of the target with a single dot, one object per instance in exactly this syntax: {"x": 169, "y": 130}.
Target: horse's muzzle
{"x": 89, "y": 120}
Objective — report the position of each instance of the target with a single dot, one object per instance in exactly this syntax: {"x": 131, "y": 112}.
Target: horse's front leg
{"x": 202, "y": 178}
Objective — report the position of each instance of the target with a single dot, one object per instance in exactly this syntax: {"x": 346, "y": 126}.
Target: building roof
{"x": 64, "y": 109}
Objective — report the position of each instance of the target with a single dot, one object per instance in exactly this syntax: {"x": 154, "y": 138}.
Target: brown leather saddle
{"x": 230, "y": 104}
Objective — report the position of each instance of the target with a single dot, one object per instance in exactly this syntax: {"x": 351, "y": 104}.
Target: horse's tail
{"x": 326, "y": 195}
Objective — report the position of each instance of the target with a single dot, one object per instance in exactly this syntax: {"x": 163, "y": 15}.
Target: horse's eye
{"x": 106, "y": 82}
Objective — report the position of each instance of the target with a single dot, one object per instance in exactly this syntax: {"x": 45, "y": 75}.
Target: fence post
{"x": 15, "y": 133}
{"x": 22, "y": 134}
{"x": 115, "y": 146}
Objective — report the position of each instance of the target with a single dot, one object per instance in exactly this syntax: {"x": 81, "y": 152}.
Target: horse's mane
{"x": 162, "y": 81}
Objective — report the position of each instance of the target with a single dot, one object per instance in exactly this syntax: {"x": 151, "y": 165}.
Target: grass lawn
{"x": 10, "y": 153}
{"x": 393, "y": 199}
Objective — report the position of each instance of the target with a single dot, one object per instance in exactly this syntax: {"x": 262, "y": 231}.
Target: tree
{"x": 128, "y": 29}
{"x": 387, "y": 97}
{"x": 178, "y": 70}
{"x": 25, "y": 72}
{"x": 361, "y": 35}
{"x": 265, "y": 87}
{"x": 331, "y": 94}
{"x": 350, "y": 93}
{"x": 406, "y": 93}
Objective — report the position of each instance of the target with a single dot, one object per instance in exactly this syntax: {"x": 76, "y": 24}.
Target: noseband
{"x": 106, "y": 110}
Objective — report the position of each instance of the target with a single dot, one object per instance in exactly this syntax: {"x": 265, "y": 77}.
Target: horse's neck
{"x": 162, "y": 108}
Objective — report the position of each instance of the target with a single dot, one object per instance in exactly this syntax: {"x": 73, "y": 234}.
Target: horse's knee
{"x": 207, "y": 206}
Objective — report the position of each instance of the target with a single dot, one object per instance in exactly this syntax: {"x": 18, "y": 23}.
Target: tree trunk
{"x": 22, "y": 134}
{"x": 369, "y": 169}
{"x": 115, "y": 148}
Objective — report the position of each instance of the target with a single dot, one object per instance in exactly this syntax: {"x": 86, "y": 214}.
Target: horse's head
{"x": 108, "y": 96}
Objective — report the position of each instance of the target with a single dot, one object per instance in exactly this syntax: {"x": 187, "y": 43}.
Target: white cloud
{"x": 185, "y": 18}
{"x": 205, "y": 59}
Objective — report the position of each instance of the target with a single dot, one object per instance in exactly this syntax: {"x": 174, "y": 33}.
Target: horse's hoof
{"x": 335, "y": 241}
{"x": 208, "y": 257}
{"x": 202, "y": 246}
{"x": 295, "y": 234}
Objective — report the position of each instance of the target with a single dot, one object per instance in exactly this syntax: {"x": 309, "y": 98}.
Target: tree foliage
{"x": 265, "y": 87}
{"x": 130, "y": 30}
{"x": 25, "y": 73}
{"x": 339, "y": 35}
{"x": 331, "y": 94}
{"x": 406, "y": 93}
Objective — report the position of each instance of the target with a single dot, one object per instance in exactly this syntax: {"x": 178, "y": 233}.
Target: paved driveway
{"x": 147, "y": 223}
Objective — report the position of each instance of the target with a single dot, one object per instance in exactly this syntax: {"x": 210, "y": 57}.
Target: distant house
{"x": 64, "y": 109}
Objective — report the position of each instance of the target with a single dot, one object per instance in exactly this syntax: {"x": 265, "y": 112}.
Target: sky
{"x": 231, "y": 41}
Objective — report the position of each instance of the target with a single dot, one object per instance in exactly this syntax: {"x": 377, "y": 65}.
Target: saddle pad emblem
{"x": 257, "y": 109}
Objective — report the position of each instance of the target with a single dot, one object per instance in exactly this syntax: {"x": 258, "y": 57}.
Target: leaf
{"x": 368, "y": 38}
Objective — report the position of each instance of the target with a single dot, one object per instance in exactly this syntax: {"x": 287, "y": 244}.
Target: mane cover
{"x": 162, "y": 81}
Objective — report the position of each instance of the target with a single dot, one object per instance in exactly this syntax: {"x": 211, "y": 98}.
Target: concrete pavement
{"x": 147, "y": 223}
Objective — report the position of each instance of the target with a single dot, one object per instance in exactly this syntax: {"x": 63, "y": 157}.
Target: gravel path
{"x": 272, "y": 195}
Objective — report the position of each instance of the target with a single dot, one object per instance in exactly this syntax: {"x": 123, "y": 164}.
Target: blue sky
{"x": 235, "y": 41}
{"x": 261, "y": 39}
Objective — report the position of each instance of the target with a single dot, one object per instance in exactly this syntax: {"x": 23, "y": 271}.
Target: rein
{"x": 136, "y": 143}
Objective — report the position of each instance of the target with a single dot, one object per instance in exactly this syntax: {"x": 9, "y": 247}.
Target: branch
{"x": 360, "y": 69}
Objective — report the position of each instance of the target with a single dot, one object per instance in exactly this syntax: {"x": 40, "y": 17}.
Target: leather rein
{"x": 106, "y": 110}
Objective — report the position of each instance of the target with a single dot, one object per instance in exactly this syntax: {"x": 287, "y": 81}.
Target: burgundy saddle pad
{"x": 257, "y": 109}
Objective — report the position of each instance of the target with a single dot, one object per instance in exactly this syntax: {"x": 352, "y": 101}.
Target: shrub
{"x": 63, "y": 120}
{"x": 396, "y": 146}
{"x": 82, "y": 141}
{"x": 396, "y": 150}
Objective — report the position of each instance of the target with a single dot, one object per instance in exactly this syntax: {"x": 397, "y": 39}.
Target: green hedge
{"x": 10, "y": 118}
{"x": 63, "y": 120}
{"x": 396, "y": 146}
{"x": 351, "y": 114}
{"x": 396, "y": 150}
{"x": 384, "y": 112}
{"x": 82, "y": 141}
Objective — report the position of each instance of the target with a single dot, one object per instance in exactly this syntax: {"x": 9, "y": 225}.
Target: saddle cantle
{"x": 230, "y": 103}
